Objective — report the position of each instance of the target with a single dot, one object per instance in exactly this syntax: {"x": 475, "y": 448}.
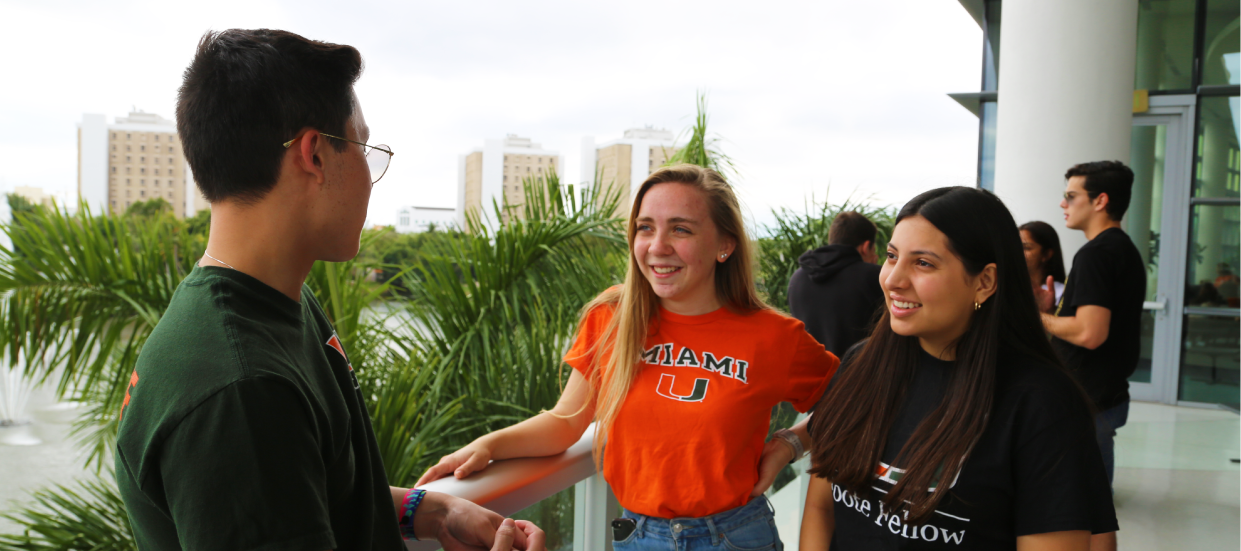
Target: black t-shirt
{"x": 1107, "y": 271}
{"x": 1036, "y": 469}
{"x": 244, "y": 428}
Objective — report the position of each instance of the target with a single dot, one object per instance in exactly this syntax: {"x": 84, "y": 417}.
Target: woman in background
{"x": 1041, "y": 245}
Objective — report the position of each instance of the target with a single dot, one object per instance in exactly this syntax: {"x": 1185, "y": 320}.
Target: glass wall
{"x": 1215, "y": 166}
{"x": 1165, "y": 51}
{"x": 991, "y": 47}
{"x": 1210, "y": 349}
{"x": 986, "y": 148}
{"x": 1220, "y": 43}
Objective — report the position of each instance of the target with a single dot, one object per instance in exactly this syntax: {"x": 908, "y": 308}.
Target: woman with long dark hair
{"x": 1044, "y": 259}
{"x": 954, "y": 426}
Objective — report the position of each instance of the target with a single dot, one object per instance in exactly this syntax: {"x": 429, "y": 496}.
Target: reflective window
{"x": 1144, "y": 219}
{"x": 1220, "y": 43}
{"x": 1142, "y": 374}
{"x": 986, "y": 148}
{"x": 1217, "y": 163}
{"x": 1214, "y": 248}
{"x": 1144, "y": 223}
{"x": 1165, "y": 50}
{"x": 991, "y": 48}
{"x": 1209, "y": 360}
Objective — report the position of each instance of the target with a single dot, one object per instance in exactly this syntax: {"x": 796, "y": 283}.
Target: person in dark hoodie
{"x": 836, "y": 291}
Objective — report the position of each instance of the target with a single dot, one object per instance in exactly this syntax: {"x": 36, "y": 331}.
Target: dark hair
{"x": 1047, "y": 238}
{"x": 246, "y": 93}
{"x": 854, "y": 417}
{"x": 1110, "y": 177}
{"x": 851, "y": 228}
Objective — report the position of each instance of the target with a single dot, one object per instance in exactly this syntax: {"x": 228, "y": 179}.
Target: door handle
{"x": 1159, "y": 305}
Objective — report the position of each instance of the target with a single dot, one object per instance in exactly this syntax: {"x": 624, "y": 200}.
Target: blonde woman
{"x": 680, "y": 366}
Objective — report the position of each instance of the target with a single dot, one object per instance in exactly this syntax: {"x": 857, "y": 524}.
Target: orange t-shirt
{"x": 688, "y": 438}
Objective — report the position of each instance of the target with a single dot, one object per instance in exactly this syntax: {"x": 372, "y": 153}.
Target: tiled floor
{"x": 1176, "y": 487}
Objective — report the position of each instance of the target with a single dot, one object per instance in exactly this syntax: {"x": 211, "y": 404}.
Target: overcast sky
{"x": 806, "y": 94}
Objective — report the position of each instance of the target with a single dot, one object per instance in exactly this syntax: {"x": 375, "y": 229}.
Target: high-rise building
{"x": 496, "y": 172}
{"x": 625, "y": 163}
{"x": 137, "y": 158}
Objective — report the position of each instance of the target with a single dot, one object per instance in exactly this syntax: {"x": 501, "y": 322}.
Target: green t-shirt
{"x": 244, "y": 428}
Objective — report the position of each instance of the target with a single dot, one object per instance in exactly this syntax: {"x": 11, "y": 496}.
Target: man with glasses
{"x": 244, "y": 426}
{"x": 1096, "y": 327}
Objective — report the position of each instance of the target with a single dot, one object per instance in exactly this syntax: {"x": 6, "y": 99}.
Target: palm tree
{"x": 79, "y": 294}
{"x": 477, "y": 344}
{"x": 702, "y": 148}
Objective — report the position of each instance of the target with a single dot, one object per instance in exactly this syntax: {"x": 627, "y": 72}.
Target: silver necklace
{"x": 220, "y": 261}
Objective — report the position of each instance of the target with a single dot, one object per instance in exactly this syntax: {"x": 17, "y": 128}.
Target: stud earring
{"x": 725, "y": 255}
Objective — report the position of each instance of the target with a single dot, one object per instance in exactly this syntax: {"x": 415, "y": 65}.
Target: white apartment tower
{"x": 625, "y": 163}
{"x": 495, "y": 173}
{"x": 137, "y": 158}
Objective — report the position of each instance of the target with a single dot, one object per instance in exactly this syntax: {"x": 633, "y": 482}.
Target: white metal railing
{"x": 509, "y": 486}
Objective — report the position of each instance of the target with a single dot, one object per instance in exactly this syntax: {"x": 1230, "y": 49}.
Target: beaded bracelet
{"x": 412, "y": 498}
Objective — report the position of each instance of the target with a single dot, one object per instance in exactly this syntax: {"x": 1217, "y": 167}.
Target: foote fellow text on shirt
{"x": 898, "y": 523}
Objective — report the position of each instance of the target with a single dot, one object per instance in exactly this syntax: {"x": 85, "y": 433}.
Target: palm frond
{"x": 80, "y": 294}
{"x": 702, "y": 148}
{"x": 90, "y": 517}
{"x": 495, "y": 310}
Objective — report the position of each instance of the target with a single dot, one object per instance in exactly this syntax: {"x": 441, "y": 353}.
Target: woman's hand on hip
{"x": 776, "y": 454}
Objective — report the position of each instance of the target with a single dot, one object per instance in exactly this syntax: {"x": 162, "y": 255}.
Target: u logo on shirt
{"x": 666, "y": 382}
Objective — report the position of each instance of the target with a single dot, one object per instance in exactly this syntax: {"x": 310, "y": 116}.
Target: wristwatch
{"x": 789, "y": 437}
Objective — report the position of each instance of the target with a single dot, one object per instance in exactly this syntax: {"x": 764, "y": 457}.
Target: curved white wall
{"x": 1065, "y": 96}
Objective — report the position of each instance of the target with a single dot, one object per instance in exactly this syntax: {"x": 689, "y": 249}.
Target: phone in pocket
{"x": 622, "y": 528}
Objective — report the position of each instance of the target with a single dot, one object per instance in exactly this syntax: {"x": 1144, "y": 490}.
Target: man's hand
{"x": 776, "y": 454}
{"x": 474, "y": 457}
{"x": 508, "y": 531}
{"x": 1045, "y": 297}
{"x": 461, "y": 525}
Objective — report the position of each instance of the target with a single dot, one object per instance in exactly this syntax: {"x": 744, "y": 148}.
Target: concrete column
{"x": 1065, "y": 96}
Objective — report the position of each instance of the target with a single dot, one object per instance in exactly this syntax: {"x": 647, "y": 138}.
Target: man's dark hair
{"x": 246, "y": 93}
{"x": 852, "y": 229}
{"x": 1110, "y": 177}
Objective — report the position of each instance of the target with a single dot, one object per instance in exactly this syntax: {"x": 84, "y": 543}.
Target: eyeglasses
{"x": 1069, "y": 196}
{"x": 378, "y": 157}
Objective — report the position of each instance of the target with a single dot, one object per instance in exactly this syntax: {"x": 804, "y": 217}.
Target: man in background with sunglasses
{"x": 244, "y": 426}
{"x": 1096, "y": 328}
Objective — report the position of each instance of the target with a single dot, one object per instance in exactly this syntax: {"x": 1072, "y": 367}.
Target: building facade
{"x": 496, "y": 173}
{"x": 1154, "y": 84}
{"x": 414, "y": 219}
{"x": 622, "y": 165}
{"x": 137, "y": 158}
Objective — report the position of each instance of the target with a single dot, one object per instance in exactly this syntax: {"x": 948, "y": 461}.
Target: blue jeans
{"x": 751, "y": 527}
{"x": 1106, "y": 423}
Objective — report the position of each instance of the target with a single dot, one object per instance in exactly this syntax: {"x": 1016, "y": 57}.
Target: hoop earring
{"x": 977, "y": 306}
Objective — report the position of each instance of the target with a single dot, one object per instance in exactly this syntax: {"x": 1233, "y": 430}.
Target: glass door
{"x": 1160, "y": 149}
